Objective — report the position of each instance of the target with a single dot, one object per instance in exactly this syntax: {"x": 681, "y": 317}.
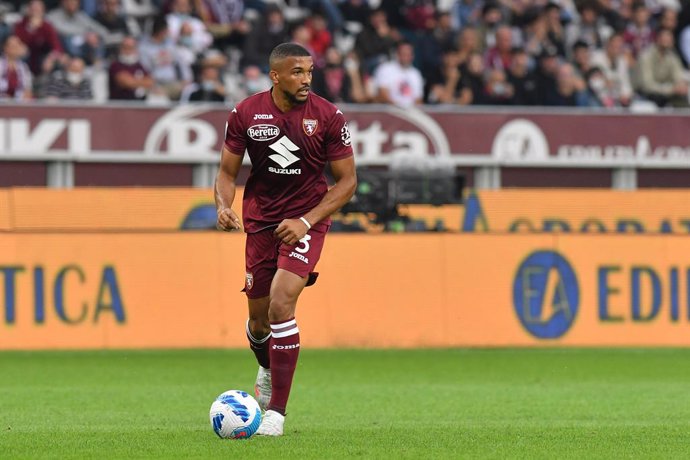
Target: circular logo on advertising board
{"x": 546, "y": 294}
{"x": 520, "y": 140}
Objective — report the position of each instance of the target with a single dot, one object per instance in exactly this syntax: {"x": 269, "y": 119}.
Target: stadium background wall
{"x": 104, "y": 282}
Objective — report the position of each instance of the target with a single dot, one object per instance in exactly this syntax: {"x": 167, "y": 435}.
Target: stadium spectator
{"x": 581, "y": 58}
{"x": 395, "y": 14}
{"x": 433, "y": 42}
{"x": 613, "y": 63}
{"x": 569, "y": 89}
{"x": 320, "y": 38}
{"x": 492, "y": 17}
{"x": 545, "y": 75}
{"x": 375, "y": 42}
{"x": 5, "y": 28}
{"x": 684, "y": 44}
{"x": 127, "y": 78}
{"x": 473, "y": 78}
{"x": 660, "y": 73}
{"x": 610, "y": 12}
{"x": 339, "y": 80}
{"x": 522, "y": 79}
{"x": 111, "y": 17}
{"x": 81, "y": 35}
{"x": 499, "y": 55}
{"x": 163, "y": 62}
{"x": 398, "y": 81}
{"x": 590, "y": 28}
{"x": 224, "y": 19}
{"x": 326, "y": 9}
{"x": 301, "y": 35}
{"x": 269, "y": 32}
{"x": 498, "y": 90}
{"x": 598, "y": 91}
{"x": 355, "y": 11}
{"x": 555, "y": 32}
{"x": 466, "y": 13}
{"x": 186, "y": 29}
{"x": 70, "y": 84}
{"x": 15, "y": 76}
{"x": 418, "y": 14}
{"x": 253, "y": 81}
{"x": 208, "y": 89}
{"x": 468, "y": 44}
{"x": 638, "y": 33}
{"x": 668, "y": 19}
{"x": 536, "y": 33}
{"x": 445, "y": 85}
{"x": 40, "y": 37}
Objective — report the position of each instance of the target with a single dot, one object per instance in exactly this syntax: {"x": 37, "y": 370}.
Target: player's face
{"x": 292, "y": 77}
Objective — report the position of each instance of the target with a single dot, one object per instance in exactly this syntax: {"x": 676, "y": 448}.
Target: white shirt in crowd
{"x": 405, "y": 85}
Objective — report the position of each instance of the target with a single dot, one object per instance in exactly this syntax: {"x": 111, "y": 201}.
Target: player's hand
{"x": 227, "y": 220}
{"x": 290, "y": 231}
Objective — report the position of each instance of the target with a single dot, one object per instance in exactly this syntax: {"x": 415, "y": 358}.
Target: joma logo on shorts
{"x": 299, "y": 256}
{"x": 263, "y": 132}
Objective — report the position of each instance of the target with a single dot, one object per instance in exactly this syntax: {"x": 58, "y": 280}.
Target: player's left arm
{"x": 345, "y": 175}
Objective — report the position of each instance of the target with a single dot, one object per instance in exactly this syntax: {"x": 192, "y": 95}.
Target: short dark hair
{"x": 285, "y": 50}
{"x": 160, "y": 23}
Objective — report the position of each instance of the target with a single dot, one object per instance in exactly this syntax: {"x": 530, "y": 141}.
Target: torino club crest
{"x": 309, "y": 126}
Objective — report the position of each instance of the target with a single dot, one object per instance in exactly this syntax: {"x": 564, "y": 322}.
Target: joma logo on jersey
{"x": 284, "y": 156}
{"x": 263, "y": 132}
{"x": 263, "y": 116}
{"x": 299, "y": 256}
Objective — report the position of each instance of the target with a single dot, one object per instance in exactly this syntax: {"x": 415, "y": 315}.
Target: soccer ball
{"x": 235, "y": 415}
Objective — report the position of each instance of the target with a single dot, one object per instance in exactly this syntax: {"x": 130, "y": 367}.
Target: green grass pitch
{"x": 416, "y": 404}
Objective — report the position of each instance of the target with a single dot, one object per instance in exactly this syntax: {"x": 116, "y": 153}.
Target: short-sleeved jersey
{"x": 289, "y": 152}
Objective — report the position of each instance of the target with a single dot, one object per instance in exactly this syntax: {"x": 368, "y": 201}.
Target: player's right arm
{"x": 230, "y": 164}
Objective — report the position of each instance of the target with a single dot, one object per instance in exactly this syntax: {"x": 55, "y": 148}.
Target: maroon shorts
{"x": 265, "y": 254}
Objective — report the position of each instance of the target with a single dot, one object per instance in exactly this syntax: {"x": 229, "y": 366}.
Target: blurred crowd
{"x": 586, "y": 53}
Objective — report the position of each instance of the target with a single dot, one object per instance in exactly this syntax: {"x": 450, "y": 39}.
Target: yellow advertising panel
{"x": 443, "y": 290}
{"x": 563, "y": 210}
{"x": 577, "y": 211}
{"x": 4, "y": 210}
{"x": 103, "y": 208}
{"x": 488, "y": 211}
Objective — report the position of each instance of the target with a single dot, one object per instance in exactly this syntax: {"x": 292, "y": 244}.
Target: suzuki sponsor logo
{"x": 263, "y": 132}
{"x": 289, "y": 172}
{"x": 284, "y": 156}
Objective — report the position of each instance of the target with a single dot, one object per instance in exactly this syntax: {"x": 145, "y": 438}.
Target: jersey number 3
{"x": 305, "y": 242}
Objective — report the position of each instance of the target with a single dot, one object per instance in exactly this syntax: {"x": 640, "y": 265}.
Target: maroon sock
{"x": 260, "y": 348}
{"x": 284, "y": 353}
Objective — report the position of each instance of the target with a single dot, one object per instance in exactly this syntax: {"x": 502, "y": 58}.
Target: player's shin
{"x": 260, "y": 347}
{"x": 284, "y": 353}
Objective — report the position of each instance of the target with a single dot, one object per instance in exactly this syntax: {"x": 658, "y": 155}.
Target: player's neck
{"x": 282, "y": 102}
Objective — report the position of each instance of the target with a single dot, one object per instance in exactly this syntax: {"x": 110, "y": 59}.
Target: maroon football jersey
{"x": 288, "y": 152}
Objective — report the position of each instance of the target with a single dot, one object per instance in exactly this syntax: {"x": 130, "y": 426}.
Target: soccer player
{"x": 290, "y": 134}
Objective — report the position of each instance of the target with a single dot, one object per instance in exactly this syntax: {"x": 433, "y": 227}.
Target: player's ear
{"x": 273, "y": 75}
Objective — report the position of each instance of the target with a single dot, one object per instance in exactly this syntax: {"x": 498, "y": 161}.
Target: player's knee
{"x": 259, "y": 327}
{"x": 282, "y": 308}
